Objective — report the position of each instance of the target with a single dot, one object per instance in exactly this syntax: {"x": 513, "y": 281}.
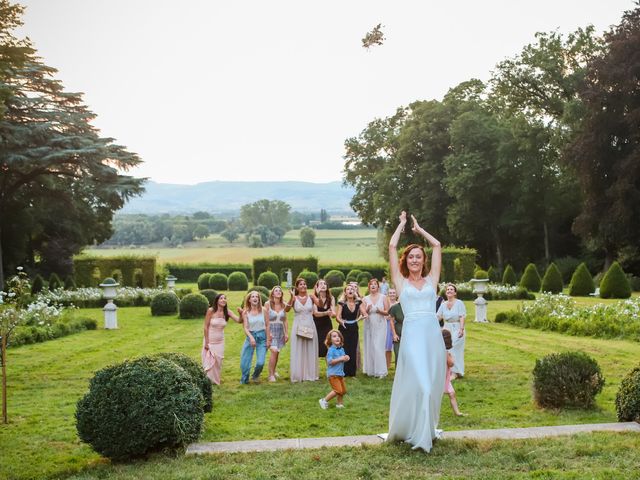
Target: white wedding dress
{"x": 418, "y": 385}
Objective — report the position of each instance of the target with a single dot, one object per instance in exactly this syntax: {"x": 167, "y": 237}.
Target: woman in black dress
{"x": 323, "y": 310}
{"x": 349, "y": 312}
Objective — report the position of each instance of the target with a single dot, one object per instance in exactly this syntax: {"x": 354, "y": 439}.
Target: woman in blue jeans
{"x": 256, "y": 328}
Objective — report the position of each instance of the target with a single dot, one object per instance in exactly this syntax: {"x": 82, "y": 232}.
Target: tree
{"x": 374, "y": 37}
{"x": 201, "y": 231}
{"x": 230, "y": 234}
{"x": 53, "y": 160}
{"x": 324, "y": 216}
{"x": 307, "y": 237}
{"x": 268, "y": 219}
{"x": 605, "y": 153}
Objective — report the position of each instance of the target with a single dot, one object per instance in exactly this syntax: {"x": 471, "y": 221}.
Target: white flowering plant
{"x": 92, "y": 297}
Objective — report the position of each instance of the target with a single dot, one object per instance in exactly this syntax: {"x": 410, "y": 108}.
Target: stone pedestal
{"x": 481, "y": 309}
{"x": 110, "y": 315}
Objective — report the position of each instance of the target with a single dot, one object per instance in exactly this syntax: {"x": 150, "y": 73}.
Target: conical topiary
{"x": 531, "y": 278}
{"x": 509, "y": 276}
{"x": 581, "y": 283}
{"x": 552, "y": 280}
{"x": 615, "y": 283}
{"x": 69, "y": 283}
{"x": 54, "y": 282}
{"x": 37, "y": 285}
{"x": 494, "y": 275}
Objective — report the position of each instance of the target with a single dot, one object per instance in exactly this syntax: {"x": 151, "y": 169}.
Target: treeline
{"x": 539, "y": 162}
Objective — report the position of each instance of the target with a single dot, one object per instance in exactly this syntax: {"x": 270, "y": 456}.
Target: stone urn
{"x": 110, "y": 310}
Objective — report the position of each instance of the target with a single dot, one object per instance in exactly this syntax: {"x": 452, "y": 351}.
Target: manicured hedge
{"x": 531, "y": 278}
{"x": 509, "y": 276}
{"x": 189, "y": 272}
{"x": 378, "y": 270}
{"x": 279, "y": 265}
{"x": 193, "y": 305}
{"x": 628, "y": 397}
{"x": 581, "y": 282}
{"x": 25, "y": 334}
{"x": 203, "y": 281}
{"x": 268, "y": 280}
{"x": 90, "y": 271}
{"x": 310, "y": 277}
{"x": 238, "y": 281}
{"x": 165, "y": 303}
{"x": 334, "y": 278}
{"x": 552, "y": 280}
{"x": 218, "y": 281}
{"x": 615, "y": 283}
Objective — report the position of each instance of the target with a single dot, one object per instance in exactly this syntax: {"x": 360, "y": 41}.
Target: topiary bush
{"x": 138, "y": 407}
{"x": 193, "y": 305}
{"x": 336, "y": 292}
{"x": 310, "y": 277}
{"x": 210, "y": 294}
{"x": 509, "y": 276}
{"x": 69, "y": 283}
{"x": 363, "y": 279}
{"x": 334, "y": 278}
{"x": 218, "y": 281}
{"x": 238, "y": 282}
{"x": 581, "y": 282}
{"x": 38, "y": 284}
{"x": 494, "y": 275}
{"x": 628, "y": 397}
{"x": 268, "y": 280}
{"x": 195, "y": 371}
{"x": 552, "y": 280}
{"x": 203, "y": 281}
{"x": 481, "y": 275}
{"x": 54, "y": 282}
{"x": 615, "y": 283}
{"x": 531, "y": 278}
{"x": 164, "y": 303}
{"x": 569, "y": 379}
{"x": 352, "y": 276}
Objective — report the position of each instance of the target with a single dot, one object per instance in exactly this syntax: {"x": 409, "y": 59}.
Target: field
{"x": 46, "y": 380}
{"x": 332, "y": 246}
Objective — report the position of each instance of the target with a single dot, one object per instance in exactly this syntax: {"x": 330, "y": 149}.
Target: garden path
{"x": 358, "y": 440}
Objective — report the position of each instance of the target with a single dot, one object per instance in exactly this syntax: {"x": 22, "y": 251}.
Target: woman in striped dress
{"x": 278, "y": 328}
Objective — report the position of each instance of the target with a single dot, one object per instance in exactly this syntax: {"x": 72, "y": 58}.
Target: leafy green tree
{"x": 604, "y": 153}
{"x": 307, "y": 237}
{"x": 230, "y": 234}
{"x": 324, "y": 216}
{"x": 268, "y": 219}
{"x": 201, "y": 231}
{"x": 53, "y": 160}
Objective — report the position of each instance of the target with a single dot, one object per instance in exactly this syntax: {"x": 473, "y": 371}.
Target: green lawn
{"x": 332, "y": 246}
{"x": 46, "y": 380}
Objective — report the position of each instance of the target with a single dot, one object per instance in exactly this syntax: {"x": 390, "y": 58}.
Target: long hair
{"x": 247, "y": 304}
{"x": 298, "y": 280}
{"x": 328, "y": 301}
{"x": 404, "y": 268}
{"x": 214, "y": 305}
{"x": 446, "y": 336}
{"x": 327, "y": 340}
{"x": 271, "y": 297}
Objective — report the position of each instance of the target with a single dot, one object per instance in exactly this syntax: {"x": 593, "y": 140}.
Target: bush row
{"x": 25, "y": 334}
{"x": 187, "y": 272}
{"x": 129, "y": 271}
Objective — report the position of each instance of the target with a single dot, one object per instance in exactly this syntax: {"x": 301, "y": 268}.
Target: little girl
{"x": 448, "y": 387}
{"x": 335, "y": 369}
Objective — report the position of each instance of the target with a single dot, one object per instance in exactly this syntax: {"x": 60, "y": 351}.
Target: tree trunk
{"x": 5, "y": 419}
{"x": 547, "y": 255}
{"x": 608, "y": 258}
{"x": 496, "y": 239}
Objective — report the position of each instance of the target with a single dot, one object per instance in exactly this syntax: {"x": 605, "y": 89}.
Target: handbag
{"x": 304, "y": 332}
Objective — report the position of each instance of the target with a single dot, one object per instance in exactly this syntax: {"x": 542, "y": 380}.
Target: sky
{"x": 263, "y": 90}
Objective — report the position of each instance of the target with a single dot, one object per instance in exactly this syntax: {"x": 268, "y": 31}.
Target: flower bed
{"x": 92, "y": 297}
{"x": 495, "y": 291}
{"x": 560, "y": 313}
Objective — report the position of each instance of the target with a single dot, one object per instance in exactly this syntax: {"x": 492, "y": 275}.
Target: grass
{"x": 332, "y": 246}
{"x": 46, "y": 380}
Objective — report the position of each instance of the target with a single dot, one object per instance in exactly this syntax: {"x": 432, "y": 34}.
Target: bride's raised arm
{"x": 394, "y": 266}
{"x": 436, "y": 255}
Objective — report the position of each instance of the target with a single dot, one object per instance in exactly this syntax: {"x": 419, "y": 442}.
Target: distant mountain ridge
{"x": 221, "y": 196}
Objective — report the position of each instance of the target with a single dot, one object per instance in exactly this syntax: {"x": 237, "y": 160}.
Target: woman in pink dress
{"x": 213, "y": 348}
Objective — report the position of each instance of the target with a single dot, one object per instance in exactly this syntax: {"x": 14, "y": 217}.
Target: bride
{"x": 420, "y": 375}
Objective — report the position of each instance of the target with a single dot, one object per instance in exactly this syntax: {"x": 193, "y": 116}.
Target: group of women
{"x": 419, "y": 381}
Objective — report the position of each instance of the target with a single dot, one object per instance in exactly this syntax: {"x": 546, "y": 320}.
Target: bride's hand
{"x": 403, "y": 218}
{"x": 415, "y": 228}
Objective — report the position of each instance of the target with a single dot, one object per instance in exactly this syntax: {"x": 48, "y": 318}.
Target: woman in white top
{"x": 453, "y": 312}
{"x": 375, "y": 331}
{"x": 304, "y": 337}
{"x": 256, "y": 328}
{"x": 278, "y": 328}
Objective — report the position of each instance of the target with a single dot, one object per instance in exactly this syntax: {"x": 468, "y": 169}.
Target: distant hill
{"x": 218, "y": 197}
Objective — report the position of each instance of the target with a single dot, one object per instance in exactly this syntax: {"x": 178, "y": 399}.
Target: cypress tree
{"x": 531, "y": 278}
{"x": 615, "y": 283}
{"x": 581, "y": 282}
{"x": 509, "y": 276}
{"x": 552, "y": 280}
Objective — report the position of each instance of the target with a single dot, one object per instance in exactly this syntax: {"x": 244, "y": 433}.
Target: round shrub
{"x": 195, "y": 371}
{"x": 310, "y": 277}
{"x": 203, "y": 281}
{"x": 69, "y": 283}
{"x": 569, "y": 379}
{"x": 193, "y": 305}
{"x": 210, "y": 294}
{"x": 334, "y": 278}
{"x": 238, "y": 282}
{"x": 218, "y": 281}
{"x": 336, "y": 292}
{"x": 37, "y": 285}
{"x": 481, "y": 274}
{"x": 509, "y": 276}
{"x": 552, "y": 280}
{"x": 581, "y": 282}
{"x": 54, "y": 282}
{"x": 363, "y": 278}
{"x": 615, "y": 283}
{"x": 164, "y": 303}
{"x": 628, "y": 397}
{"x": 139, "y": 406}
{"x": 352, "y": 276}
{"x": 262, "y": 290}
{"x": 531, "y": 278}
{"x": 268, "y": 280}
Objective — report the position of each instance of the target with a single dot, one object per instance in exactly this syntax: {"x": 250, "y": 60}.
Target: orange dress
{"x": 212, "y": 358}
